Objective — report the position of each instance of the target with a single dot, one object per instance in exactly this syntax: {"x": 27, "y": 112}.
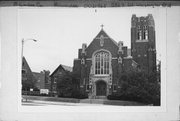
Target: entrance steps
{"x": 100, "y": 97}
{"x": 95, "y": 100}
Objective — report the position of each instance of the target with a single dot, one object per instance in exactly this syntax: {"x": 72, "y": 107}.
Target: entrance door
{"x": 101, "y": 88}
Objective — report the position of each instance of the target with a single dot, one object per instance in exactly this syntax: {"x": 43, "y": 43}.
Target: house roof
{"x": 39, "y": 76}
{"x": 67, "y": 68}
{"x": 64, "y": 67}
{"x": 26, "y": 66}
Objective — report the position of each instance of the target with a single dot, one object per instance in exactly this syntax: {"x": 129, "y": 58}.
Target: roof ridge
{"x": 65, "y": 65}
{"x": 67, "y": 68}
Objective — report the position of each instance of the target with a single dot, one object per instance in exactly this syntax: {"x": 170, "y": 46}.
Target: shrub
{"x": 68, "y": 86}
{"x": 137, "y": 86}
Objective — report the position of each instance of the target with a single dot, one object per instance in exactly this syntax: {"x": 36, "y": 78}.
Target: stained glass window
{"x": 102, "y": 63}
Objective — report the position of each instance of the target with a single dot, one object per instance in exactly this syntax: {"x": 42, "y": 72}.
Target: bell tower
{"x": 143, "y": 47}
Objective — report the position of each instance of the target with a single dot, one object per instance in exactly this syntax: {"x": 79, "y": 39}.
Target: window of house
{"x": 87, "y": 87}
{"x": 114, "y": 87}
{"x": 23, "y": 71}
{"x": 55, "y": 80}
{"x": 102, "y": 63}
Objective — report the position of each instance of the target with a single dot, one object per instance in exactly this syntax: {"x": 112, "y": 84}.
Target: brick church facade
{"x": 101, "y": 64}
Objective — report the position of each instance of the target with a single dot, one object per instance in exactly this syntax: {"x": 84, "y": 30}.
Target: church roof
{"x": 106, "y": 35}
{"x": 101, "y": 40}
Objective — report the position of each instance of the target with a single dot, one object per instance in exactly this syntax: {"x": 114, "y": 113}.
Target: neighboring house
{"x": 43, "y": 80}
{"x": 57, "y": 73}
{"x": 40, "y": 77}
{"x": 28, "y": 80}
{"x": 101, "y": 64}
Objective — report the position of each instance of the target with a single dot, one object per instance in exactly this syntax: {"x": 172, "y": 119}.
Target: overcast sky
{"x": 61, "y": 31}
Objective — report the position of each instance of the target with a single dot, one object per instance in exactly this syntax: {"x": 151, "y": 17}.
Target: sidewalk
{"x": 45, "y": 103}
{"x": 39, "y": 100}
{"x": 111, "y": 102}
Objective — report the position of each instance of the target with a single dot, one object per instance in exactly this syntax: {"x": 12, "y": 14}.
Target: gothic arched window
{"x": 145, "y": 36}
{"x": 139, "y": 35}
{"x": 102, "y": 63}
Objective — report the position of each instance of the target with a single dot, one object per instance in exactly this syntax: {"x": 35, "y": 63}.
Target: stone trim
{"x": 89, "y": 59}
{"x": 142, "y": 40}
{"x": 114, "y": 58}
{"x": 128, "y": 57}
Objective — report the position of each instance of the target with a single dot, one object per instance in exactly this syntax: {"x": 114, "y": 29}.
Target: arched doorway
{"x": 100, "y": 88}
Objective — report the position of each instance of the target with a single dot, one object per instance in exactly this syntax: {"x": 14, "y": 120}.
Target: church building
{"x": 101, "y": 64}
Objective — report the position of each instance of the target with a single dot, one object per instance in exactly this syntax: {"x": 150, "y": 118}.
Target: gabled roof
{"x": 106, "y": 35}
{"x": 64, "y": 67}
{"x": 25, "y": 66}
{"x": 97, "y": 43}
{"x": 39, "y": 76}
{"x": 67, "y": 68}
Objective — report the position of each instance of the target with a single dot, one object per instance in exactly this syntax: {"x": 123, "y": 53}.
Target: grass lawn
{"x": 56, "y": 99}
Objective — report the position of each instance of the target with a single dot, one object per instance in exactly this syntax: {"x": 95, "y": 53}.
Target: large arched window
{"x": 102, "y": 63}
